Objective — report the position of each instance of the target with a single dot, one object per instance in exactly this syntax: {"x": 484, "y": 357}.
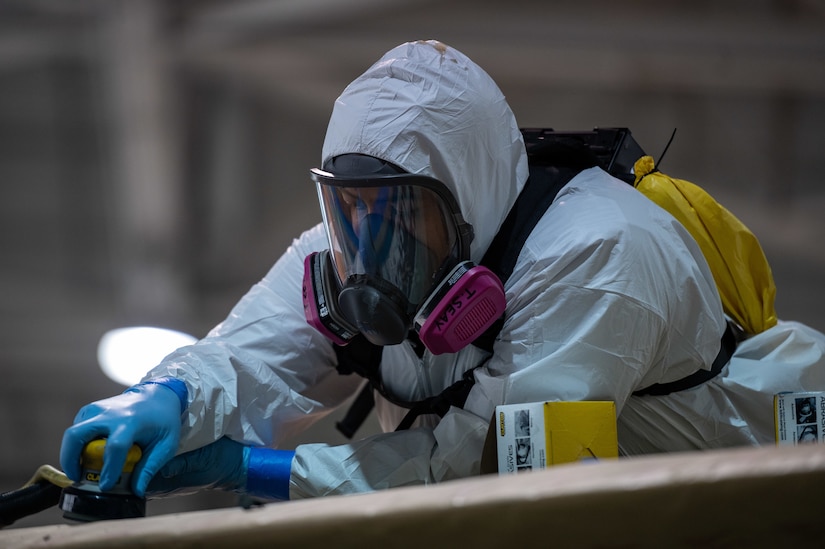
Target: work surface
{"x": 732, "y": 498}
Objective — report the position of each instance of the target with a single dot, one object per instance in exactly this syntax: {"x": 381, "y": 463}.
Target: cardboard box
{"x": 799, "y": 418}
{"x": 541, "y": 434}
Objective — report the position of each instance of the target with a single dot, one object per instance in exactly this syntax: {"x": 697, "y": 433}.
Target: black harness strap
{"x": 729, "y": 342}
{"x": 538, "y": 193}
{"x": 358, "y": 411}
{"x": 364, "y": 359}
{"x": 454, "y": 395}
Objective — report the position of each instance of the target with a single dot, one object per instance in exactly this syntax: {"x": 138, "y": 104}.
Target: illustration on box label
{"x": 521, "y": 438}
{"x": 800, "y": 418}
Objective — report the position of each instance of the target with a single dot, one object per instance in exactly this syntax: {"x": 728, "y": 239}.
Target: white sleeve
{"x": 263, "y": 374}
{"x": 423, "y": 455}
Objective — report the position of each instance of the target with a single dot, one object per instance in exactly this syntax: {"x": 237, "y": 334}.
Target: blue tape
{"x": 268, "y": 473}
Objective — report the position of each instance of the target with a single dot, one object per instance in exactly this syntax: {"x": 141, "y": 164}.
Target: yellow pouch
{"x": 737, "y": 262}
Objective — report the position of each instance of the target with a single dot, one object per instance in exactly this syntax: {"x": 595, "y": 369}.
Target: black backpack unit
{"x": 554, "y": 158}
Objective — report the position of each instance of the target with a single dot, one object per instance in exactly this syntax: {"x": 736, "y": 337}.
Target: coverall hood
{"x": 430, "y": 110}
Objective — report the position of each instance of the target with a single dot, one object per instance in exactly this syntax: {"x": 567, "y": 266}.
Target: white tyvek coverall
{"x": 610, "y": 294}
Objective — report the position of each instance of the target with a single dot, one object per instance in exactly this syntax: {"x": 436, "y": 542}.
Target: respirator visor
{"x": 401, "y": 232}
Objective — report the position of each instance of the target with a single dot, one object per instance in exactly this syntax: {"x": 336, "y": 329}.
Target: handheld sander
{"x": 81, "y": 501}
{"x": 84, "y": 501}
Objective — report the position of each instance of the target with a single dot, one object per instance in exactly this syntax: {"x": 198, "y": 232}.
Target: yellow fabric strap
{"x": 737, "y": 262}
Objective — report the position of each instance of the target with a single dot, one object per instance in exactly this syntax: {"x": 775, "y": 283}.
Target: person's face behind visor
{"x": 396, "y": 230}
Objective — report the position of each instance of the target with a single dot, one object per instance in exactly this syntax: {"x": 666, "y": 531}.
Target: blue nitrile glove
{"x": 147, "y": 414}
{"x": 226, "y": 465}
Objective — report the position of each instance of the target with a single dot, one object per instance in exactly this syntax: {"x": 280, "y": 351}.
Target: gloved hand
{"x": 221, "y": 465}
{"x": 147, "y": 414}
{"x": 226, "y": 465}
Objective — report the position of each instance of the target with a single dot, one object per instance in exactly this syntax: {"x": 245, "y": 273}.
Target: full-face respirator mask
{"x": 398, "y": 261}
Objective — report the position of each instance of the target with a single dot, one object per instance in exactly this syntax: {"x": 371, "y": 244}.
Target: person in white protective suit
{"x": 422, "y": 161}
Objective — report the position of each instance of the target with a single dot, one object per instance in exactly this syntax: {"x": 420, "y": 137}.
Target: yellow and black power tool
{"x": 81, "y": 501}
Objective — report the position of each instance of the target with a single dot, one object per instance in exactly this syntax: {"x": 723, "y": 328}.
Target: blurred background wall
{"x": 154, "y": 154}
